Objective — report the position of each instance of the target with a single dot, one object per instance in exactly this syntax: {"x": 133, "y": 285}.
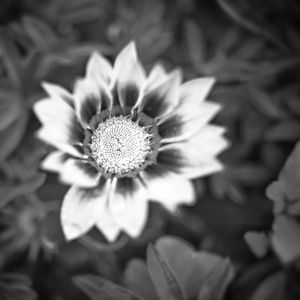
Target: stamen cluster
{"x": 120, "y": 145}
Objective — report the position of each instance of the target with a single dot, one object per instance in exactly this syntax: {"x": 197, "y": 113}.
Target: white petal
{"x": 81, "y": 209}
{"x": 129, "y": 76}
{"x": 186, "y": 120}
{"x": 163, "y": 98}
{"x": 128, "y": 205}
{"x": 157, "y": 75}
{"x": 60, "y": 117}
{"x": 57, "y": 92}
{"x": 168, "y": 188}
{"x": 81, "y": 174}
{"x": 91, "y": 95}
{"x": 56, "y": 137}
{"x": 98, "y": 66}
{"x": 210, "y": 140}
{"x": 127, "y": 54}
{"x": 107, "y": 225}
{"x": 196, "y": 90}
{"x": 188, "y": 160}
{"x": 54, "y": 161}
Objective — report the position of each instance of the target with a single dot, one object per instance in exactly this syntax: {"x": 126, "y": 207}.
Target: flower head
{"x": 123, "y": 138}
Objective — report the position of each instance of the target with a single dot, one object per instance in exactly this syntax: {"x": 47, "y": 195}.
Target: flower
{"x": 123, "y": 138}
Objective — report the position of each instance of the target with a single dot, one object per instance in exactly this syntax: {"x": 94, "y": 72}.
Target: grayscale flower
{"x": 124, "y": 138}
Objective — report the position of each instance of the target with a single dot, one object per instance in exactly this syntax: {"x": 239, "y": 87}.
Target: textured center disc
{"x": 120, "y": 145}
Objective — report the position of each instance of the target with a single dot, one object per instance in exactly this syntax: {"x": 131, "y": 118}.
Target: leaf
{"x": 258, "y": 242}
{"x": 253, "y": 16}
{"x": 11, "y": 136}
{"x": 286, "y": 238}
{"x": 285, "y": 192}
{"x": 137, "y": 279}
{"x": 215, "y": 284}
{"x": 272, "y": 288}
{"x": 37, "y": 31}
{"x": 10, "y": 192}
{"x": 98, "y": 288}
{"x": 11, "y": 59}
{"x": 189, "y": 266}
{"x": 10, "y": 108}
{"x": 15, "y": 287}
{"x": 165, "y": 282}
{"x": 195, "y": 43}
{"x": 285, "y": 131}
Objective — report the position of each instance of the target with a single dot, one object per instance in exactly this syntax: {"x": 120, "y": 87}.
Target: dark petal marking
{"x": 105, "y": 99}
{"x": 171, "y": 127}
{"x": 115, "y": 96}
{"x": 77, "y": 132}
{"x": 155, "y": 104}
{"x": 87, "y": 169}
{"x": 89, "y": 108}
{"x": 171, "y": 159}
{"x": 69, "y": 100}
{"x": 129, "y": 95}
{"x": 90, "y": 193}
{"x": 125, "y": 185}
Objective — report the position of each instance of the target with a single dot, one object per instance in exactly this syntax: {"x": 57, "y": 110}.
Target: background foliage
{"x": 242, "y": 239}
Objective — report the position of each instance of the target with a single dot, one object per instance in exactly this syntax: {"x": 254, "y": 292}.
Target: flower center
{"x": 120, "y": 145}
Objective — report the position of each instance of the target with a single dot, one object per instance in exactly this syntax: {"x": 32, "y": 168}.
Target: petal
{"x": 163, "y": 98}
{"x": 128, "y": 205}
{"x": 57, "y": 92}
{"x": 99, "y": 67}
{"x": 196, "y": 90}
{"x": 188, "y": 160}
{"x": 81, "y": 209}
{"x": 129, "y": 76}
{"x": 157, "y": 75}
{"x": 210, "y": 140}
{"x": 60, "y": 121}
{"x": 54, "y": 161}
{"x": 81, "y": 174}
{"x": 168, "y": 188}
{"x": 107, "y": 225}
{"x": 54, "y": 136}
{"x": 91, "y": 95}
{"x": 187, "y": 119}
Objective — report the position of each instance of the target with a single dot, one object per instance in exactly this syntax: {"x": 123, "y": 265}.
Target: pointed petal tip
{"x": 70, "y": 231}
{"x": 129, "y": 52}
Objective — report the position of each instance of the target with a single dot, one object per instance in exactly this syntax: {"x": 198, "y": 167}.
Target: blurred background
{"x": 249, "y": 212}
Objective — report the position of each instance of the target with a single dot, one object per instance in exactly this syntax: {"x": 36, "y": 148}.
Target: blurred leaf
{"x": 11, "y": 191}
{"x": 286, "y": 238}
{"x": 253, "y": 16}
{"x": 137, "y": 279}
{"x": 250, "y": 174}
{"x": 15, "y": 287}
{"x": 11, "y": 136}
{"x": 272, "y": 288}
{"x": 190, "y": 267}
{"x": 165, "y": 282}
{"x": 98, "y": 288}
{"x": 195, "y": 43}
{"x": 10, "y": 108}
{"x": 11, "y": 59}
{"x": 37, "y": 31}
{"x": 285, "y": 192}
{"x": 265, "y": 103}
{"x": 284, "y": 131}
{"x": 258, "y": 242}
{"x": 224, "y": 186}
{"x": 215, "y": 284}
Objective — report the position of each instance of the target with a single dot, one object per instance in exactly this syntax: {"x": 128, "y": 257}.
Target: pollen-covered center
{"x": 120, "y": 145}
